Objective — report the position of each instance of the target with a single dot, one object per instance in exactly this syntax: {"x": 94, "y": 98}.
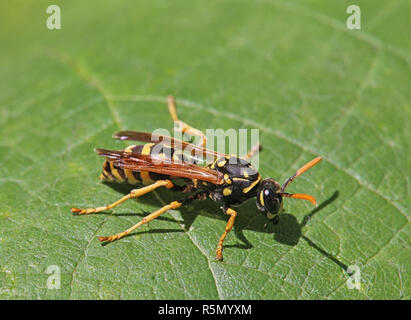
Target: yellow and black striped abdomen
{"x": 116, "y": 174}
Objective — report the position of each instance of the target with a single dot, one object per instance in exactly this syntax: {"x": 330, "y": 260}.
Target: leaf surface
{"x": 288, "y": 68}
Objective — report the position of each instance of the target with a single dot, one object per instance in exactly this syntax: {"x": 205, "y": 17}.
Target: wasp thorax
{"x": 269, "y": 199}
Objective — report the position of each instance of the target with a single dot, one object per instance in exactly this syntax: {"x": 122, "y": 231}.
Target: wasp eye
{"x": 271, "y": 201}
{"x": 268, "y": 201}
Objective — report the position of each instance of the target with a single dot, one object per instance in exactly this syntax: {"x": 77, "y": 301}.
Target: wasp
{"x": 162, "y": 163}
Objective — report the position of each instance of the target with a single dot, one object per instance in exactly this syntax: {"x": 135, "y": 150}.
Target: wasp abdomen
{"x": 113, "y": 173}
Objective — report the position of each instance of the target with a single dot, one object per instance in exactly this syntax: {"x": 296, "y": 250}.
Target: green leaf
{"x": 288, "y": 68}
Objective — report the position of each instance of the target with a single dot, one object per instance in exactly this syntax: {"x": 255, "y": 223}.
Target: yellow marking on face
{"x": 262, "y": 198}
{"x": 130, "y": 176}
{"x": 227, "y": 192}
{"x": 204, "y": 183}
{"x": 195, "y": 181}
{"x": 115, "y": 173}
{"x": 245, "y": 174}
{"x": 270, "y": 215}
{"x": 245, "y": 190}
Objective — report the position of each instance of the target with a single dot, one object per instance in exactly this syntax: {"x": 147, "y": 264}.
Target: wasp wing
{"x": 156, "y": 138}
{"x": 139, "y": 162}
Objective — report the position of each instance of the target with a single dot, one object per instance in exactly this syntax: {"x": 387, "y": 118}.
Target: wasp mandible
{"x": 228, "y": 180}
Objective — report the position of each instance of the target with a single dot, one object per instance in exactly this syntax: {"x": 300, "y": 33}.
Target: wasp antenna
{"x": 300, "y": 171}
{"x": 300, "y": 196}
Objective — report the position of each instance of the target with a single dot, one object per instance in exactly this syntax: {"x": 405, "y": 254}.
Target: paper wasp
{"x": 227, "y": 180}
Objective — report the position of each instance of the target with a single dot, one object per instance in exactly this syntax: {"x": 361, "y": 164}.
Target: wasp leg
{"x": 182, "y": 126}
{"x": 171, "y": 206}
{"x": 133, "y": 194}
{"x": 228, "y": 227}
{"x": 150, "y": 217}
{"x": 253, "y": 151}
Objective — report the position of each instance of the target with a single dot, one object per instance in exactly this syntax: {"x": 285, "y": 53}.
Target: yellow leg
{"x": 229, "y": 226}
{"x": 133, "y": 194}
{"x": 181, "y": 125}
{"x": 150, "y": 217}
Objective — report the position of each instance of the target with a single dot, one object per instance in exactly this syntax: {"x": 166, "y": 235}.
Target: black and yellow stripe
{"x": 112, "y": 173}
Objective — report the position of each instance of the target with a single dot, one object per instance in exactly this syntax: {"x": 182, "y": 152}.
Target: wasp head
{"x": 269, "y": 199}
{"x": 270, "y": 194}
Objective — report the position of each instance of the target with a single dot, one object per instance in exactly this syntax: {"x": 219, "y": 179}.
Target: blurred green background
{"x": 288, "y": 68}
